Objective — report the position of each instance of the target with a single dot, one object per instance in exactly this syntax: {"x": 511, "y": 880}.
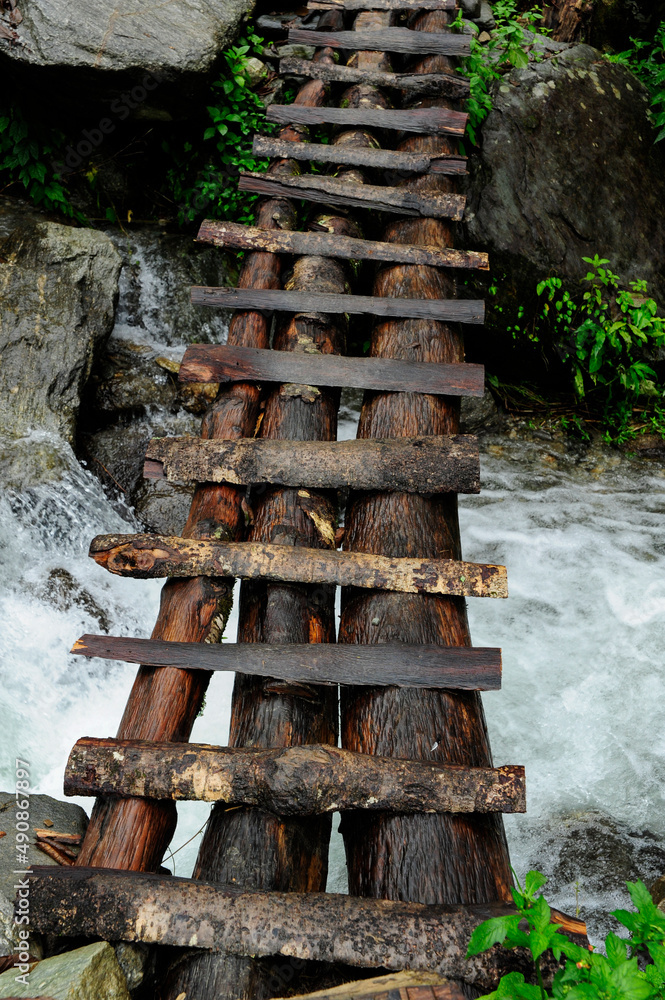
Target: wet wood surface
{"x": 452, "y": 310}
{"x": 221, "y": 363}
{"x": 234, "y": 236}
{"x": 416, "y": 465}
{"x": 148, "y": 557}
{"x": 343, "y": 193}
{"x": 426, "y": 84}
{"x": 461, "y": 667}
{"x": 289, "y": 781}
{"x": 407, "y": 5}
{"x": 387, "y": 40}
{"x": 426, "y": 121}
{"x": 398, "y": 986}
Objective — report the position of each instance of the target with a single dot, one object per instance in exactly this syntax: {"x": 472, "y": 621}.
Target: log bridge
{"x": 380, "y": 719}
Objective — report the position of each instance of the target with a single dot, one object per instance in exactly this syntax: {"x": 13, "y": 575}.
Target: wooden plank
{"x": 371, "y": 989}
{"x": 442, "y": 310}
{"x": 422, "y": 85}
{"x": 145, "y": 556}
{"x": 445, "y": 464}
{"x": 289, "y": 781}
{"x": 329, "y": 927}
{"x": 463, "y": 668}
{"x": 425, "y": 121}
{"x": 359, "y": 156}
{"x": 221, "y": 363}
{"x": 387, "y": 40}
{"x": 239, "y": 237}
{"x": 337, "y": 191}
{"x": 407, "y": 5}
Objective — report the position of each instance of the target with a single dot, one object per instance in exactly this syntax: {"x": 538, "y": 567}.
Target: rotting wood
{"x": 347, "y": 194}
{"x": 221, "y": 363}
{"x": 427, "y": 84}
{"x": 387, "y": 40}
{"x": 145, "y": 556}
{"x": 366, "y": 933}
{"x": 289, "y": 781}
{"x": 239, "y": 237}
{"x": 406, "y": 5}
{"x": 465, "y": 668}
{"x": 380, "y": 987}
{"x": 414, "y": 465}
{"x": 443, "y": 310}
{"x": 426, "y": 121}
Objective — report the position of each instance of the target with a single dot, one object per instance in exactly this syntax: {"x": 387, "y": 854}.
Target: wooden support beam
{"x": 360, "y": 156}
{"x": 289, "y": 781}
{"x": 425, "y": 121}
{"x": 328, "y": 927}
{"x": 348, "y": 194}
{"x": 398, "y": 986}
{"x": 424, "y": 85}
{"x": 411, "y": 465}
{"x": 463, "y": 668}
{"x": 221, "y": 363}
{"x": 387, "y": 40}
{"x": 406, "y": 5}
{"x": 269, "y": 300}
{"x": 145, "y": 556}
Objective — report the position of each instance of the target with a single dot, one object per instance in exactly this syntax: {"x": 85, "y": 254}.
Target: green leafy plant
{"x": 646, "y": 59}
{"x": 27, "y": 156}
{"x": 585, "y": 975}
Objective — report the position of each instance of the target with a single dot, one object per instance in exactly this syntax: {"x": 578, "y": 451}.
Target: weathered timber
{"x": 387, "y": 40}
{"x": 366, "y": 933}
{"x": 406, "y": 986}
{"x": 289, "y": 781}
{"x": 426, "y": 121}
{"x": 407, "y": 5}
{"x": 362, "y": 156}
{"x": 146, "y": 557}
{"x": 232, "y": 234}
{"x": 414, "y": 465}
{"x": 443, "y": 310}
{"x": 221, "y": 363}
{"x": 427, "y": 84}
{"x": 460, "y": 667}
{"x": 348, "y": 194}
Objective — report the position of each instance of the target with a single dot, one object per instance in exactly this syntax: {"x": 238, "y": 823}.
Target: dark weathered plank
{"x": 463, "y": 668}
{"x": 408, "y": 5}
{"x": 367, "y": 933}
{"x": 387, "y": 40}
{"x": 232, "y": 234}
{"x": 221, "y": 363}
{"x": 337, "y": 191}
{"x": 444, "y": 310}
{"x": 398, "y": 986}
{"x": 411, "y": 465}
{"x": 416, "y": 85}
{"x": 146, "y": 556}
{"x": 425, "y": 121}
{"x": 289, "y": 781}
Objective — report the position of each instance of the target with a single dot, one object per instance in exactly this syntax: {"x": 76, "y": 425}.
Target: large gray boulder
{"x": 567, "y": 169}
{"x": 88, "y": 973}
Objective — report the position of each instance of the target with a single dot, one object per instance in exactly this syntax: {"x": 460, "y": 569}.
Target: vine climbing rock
{"x": 566, "y": 169}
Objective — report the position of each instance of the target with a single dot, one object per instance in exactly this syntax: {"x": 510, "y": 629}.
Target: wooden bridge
{"x": 412, "y": 774}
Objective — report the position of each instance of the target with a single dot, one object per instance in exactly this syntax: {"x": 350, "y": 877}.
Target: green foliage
{"x": 27, "y": 157}
{"x": 507, "y": 48}
{"x": 204, "y": 181}
{"x": 585, "y": 975}
{"x": 647, "y": 61}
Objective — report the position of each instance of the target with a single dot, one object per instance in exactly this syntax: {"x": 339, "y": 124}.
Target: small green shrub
{"x": 27, "y": 156}
{"x": 647, "y": 61}
{"x": 586, "y": 975}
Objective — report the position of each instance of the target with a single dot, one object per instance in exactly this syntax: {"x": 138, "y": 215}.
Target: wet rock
{"x": 127, "y": 378}
{"x": 478, "y": 414}
{"x": 163, "y": 507}
{"x": 89, "y": 973}
{"x": 45, "y": 812}
{"x": 555, "y": 177}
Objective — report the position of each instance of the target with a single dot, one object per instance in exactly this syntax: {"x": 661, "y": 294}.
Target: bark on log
{"x": 366, "y": 933}
{"x": 217, "y": 363}
{"x": 289, "y": 781}
{"x": 148, "y": 557}
{"x": 464, "y": 667}
{"x": 407, "y": 5}
{"x": 451, "y": 310}
{"x": 232, "y": 234}
{"x": 414, "y": 465}
{"x": 387, "y": 40}
{"x": 428, "y": 84}
{"x": 406, "y": 986}
{"x": 425, "y": 121}
{"x": 347, "y": 194}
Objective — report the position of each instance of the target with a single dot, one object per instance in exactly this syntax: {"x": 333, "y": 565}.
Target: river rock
{"x": 566, "y": 169}
{"x": 89, "y": 973}
{"x": 45, "y": 812}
